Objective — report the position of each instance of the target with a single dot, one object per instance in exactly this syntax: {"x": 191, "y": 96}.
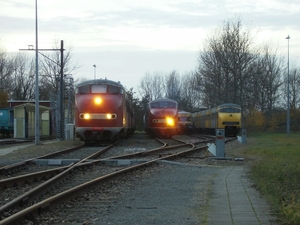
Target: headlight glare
{"x": 97, "y": 101}
{"x": 86, "y": 116}
{"x": 170, "y": 121}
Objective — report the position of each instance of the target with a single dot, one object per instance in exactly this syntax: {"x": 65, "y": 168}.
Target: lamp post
{"x": 94, "y": 71}
{"x": 288, "y": 89}
{"x": 37, "y": 101}
{"x": 37, "y": 105}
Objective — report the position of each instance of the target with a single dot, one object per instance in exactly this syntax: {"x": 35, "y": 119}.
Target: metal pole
{"x": 288, "y": 89}
{"x": 37, "y": 105}
{"x": 62, "y": 116}
{"x": 94, "y": 71}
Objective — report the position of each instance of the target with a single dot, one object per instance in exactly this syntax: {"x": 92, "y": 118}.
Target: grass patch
{"x": 277, "y": 173}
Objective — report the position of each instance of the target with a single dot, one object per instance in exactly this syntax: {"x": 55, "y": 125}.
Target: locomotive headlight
{"x": 170, "y": 121}
{"x": 86, "y": 116}
{"x": 97, "y": 101}
{"x": 111, "y": 116}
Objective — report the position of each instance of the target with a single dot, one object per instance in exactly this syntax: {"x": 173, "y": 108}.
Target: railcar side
{"x": 6, "y": 121}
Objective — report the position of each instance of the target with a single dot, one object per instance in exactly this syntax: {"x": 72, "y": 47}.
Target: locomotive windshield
{"x": 99, "y": 89}
{"x": 83, "y": 90}
{"x": 184, "y": 118}
{"x": 160, "y": 105}
{"x": 230, "y": 110}
{"x": 96, "y": 88}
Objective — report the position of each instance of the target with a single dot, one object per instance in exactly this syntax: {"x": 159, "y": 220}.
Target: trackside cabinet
{"x": 244, "y": 136}
{"x": 220, "y": 143}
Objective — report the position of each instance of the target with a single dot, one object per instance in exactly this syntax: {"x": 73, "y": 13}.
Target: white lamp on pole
{"x": 94, "y": 71}
{"x": 288, "y": 89}
{"x": 37, "y": 105}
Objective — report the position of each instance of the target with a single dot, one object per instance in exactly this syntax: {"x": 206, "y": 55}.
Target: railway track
{"x": 79, "y": 177}
{"x": 24, "y": 164}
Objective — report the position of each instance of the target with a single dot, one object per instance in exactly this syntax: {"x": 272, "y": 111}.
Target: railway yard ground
{"x": 186, "y": 191}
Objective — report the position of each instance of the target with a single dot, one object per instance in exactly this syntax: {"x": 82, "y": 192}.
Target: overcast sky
{"x": 126, "y": 39}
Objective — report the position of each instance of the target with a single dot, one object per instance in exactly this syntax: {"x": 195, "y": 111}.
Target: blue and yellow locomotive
{"x": 226, "y": 116}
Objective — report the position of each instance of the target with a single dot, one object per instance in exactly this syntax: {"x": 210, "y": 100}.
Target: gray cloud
{"x": 130, "y": 66}
{"x": 132, "y": 60}
{"x": 184, "y": 15}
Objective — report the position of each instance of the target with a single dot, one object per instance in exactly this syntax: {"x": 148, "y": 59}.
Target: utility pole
{"x": 37, "y": 94}
{"x": 94, "y": 71}
{"x": 61, "y": 116}
{"x": 288, "y": 89}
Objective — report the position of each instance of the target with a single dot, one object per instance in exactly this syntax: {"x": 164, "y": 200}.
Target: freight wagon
{"x": 6, "y": 121}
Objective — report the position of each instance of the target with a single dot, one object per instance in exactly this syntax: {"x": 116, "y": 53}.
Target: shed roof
{"x": 31, "y": 107}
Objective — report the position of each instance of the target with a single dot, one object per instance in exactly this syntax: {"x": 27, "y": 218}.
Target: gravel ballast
{"x": 176, "y": 194}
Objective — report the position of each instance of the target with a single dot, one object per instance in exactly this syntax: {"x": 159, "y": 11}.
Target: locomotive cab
{"x": 161, "y": 117}
{"x": 102, "y": 111}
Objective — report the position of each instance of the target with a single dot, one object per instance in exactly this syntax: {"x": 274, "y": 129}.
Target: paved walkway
{"x": 9, "y": 149}
{"x": 235, "y": 201}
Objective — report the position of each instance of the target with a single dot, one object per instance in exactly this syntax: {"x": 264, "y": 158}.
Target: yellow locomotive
{"x": 226, "y": 116}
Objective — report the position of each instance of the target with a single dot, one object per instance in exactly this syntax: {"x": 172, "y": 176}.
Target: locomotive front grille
{"x": 231, "y": 123}
{"x": 159, "y": 121}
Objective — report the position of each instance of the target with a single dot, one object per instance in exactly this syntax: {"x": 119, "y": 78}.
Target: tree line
{"x": 231, "y": 68}
{"x": 17, "y": 74}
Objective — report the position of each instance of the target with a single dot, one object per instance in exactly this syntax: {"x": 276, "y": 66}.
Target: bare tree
{"x": 268, "y": 79}
{"x": 295, "y": 91}
{"x": 151, "y": 86}
{"x": 172, "y": 86}
{"x": 23, "y": 82}
{"x": 6, "y": 72}
{"x": 225, "y": 65}
{"x": 294, "y": 78}
{"x": 3, "y": 99}
{"x": 190, "y": 93}
{"x": 50, "y": 70}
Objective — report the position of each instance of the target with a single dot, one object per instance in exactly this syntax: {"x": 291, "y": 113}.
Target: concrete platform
{"x": 8, "y": 149}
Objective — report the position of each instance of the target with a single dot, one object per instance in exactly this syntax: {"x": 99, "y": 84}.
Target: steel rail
{"x": 66, "y": 195}
{"x": 42, "y": 188}
{"x": 4, "y": 183}
{"x": 24, "y": 164}
{"x": 52, "y": 172}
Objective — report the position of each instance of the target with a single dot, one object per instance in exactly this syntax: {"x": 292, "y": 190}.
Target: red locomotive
{"x": 185, "y": 124}
{"x": 102, "y": 111}
{"x": 161, "y": 117}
